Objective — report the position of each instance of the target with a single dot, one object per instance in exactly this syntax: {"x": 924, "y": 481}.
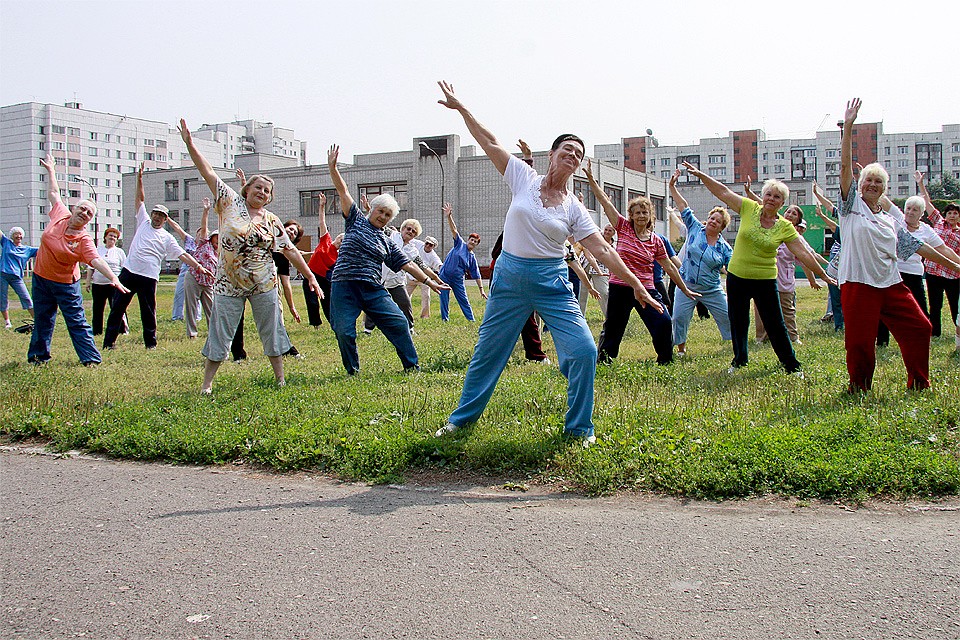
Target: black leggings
{"x": 938, "y": 286}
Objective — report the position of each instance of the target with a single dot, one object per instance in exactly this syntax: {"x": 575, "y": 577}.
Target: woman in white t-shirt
{"x": 532, "y": 276}
{"x": 100, "y": 287}
{"x": 871, "y": 288}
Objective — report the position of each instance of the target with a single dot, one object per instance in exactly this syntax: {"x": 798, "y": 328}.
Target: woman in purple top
{"x": 459, "y": 262}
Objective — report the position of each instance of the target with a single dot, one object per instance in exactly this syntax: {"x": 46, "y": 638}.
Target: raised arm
{"x": 53, "y": 193}
{"x": 923, "y": 192}
{"x": 680, "y": 201}
{"x": 296, "y": 259}
{"x": 748, "y": 192}
{"x": 177, "y": 230}
{"x": 346, "y": 200}
{"x": 611, "y": 211}
{"x": 201, "y": 163}
{"x": 448, "y": 212}
{"x": 720, "y": 191}
{"x": 928, "y": 252}
{"x": 525, "y": 152}
{"x": 203, "y": 231}
{"x": 810, "y": 264}
{"x": 498, "y": 155}
{"x": 141, "y": 194}
{"x": 822, "y": 198}
{"x": 322, "y": 215}
{"x": 846, "y": 146}
{"x": 608, "y": 256}
{"x": 829, "y": 222}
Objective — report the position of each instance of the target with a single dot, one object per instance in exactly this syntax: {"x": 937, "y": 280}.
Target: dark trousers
{"x": 836, "y": 306}
{"x": 102, "y": 295}
{"x": 658, "y": 323}
{"x": 399, "y": 295}
{"x": 740, "y": 291}
{"x": 938, "y": 286}
{"x": 530, "y": 334}
{"x": 315, "y": 304}
{"x": 146, "y": 291}
{"x": 915, "y": 284}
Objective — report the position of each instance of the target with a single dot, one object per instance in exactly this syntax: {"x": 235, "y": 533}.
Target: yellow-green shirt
{"x": 755, "y": 251}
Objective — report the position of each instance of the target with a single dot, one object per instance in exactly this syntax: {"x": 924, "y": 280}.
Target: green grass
{"x": 688, "y": 429}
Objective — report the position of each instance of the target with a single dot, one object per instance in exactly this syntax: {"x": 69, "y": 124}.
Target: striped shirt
{"x": 364, "y": 251}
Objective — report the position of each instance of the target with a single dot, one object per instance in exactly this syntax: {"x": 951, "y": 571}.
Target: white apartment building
{"x": 92, "y": 150}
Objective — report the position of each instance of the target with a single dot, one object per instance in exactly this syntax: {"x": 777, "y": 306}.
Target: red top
{"x": 324, "y": 256}
{"x": 61, "y": 250}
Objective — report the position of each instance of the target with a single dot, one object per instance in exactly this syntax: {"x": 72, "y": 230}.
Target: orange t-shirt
{"x": 62, "y": 250}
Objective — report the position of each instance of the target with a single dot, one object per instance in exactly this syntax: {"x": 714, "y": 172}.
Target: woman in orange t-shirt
{"x": 56, "y": 275}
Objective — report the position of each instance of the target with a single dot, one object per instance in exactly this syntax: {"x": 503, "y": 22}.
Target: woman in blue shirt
{"x": 13, "y": 263}
{"x": 707, "y": 254}
{"x": 459, "y": 262}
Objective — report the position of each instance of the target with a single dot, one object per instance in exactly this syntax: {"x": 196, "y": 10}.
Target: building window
{"x": 665, "y": 173}
{"x": 91, "y": 151}
{"x": 765, "y": 156}
{"x": 56, "y": 128}
{"x": 147, "y": 142}
{"x": 93, "y": 166}
{"x": 589, "y": 199}
{"x": 73, "y": 162}
{"x": 902, "y": 163}
{"x": 664, "y": 162}
{"x": 131, "y": 155}
{"x": 73, "y": 147}
{"x": 93, "y": 135}
{"x": 161, "y": 144}
{"x": 831, "y": 153}
{"x": 56, "y": 146}
{"x": 717, "y": 172}
{"x": 616, "y": 196}
{"x": 956, "y": 161}
{"x": 903, "y": 191}
{"x": 716, "y": 159}
{"x": 188, "y": 183}
{"x": 397, "y": 189}
{"x": 778, "y": 155}
{"x": 73, "y": 131}
{"x": 149, "y": 156}
{"x": 171, "y": 190}
{"x": 902, "y": 150}
{"x": 132, "y": 141}
{"x": 310, "y": 203}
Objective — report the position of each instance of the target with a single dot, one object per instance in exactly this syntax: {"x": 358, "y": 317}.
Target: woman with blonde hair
{"x": 752, "y": 273}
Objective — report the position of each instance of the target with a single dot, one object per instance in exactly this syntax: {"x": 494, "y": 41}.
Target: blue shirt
{"x": 14, "y": 259}
{"x": 657, "y": 269}
{"x": 364, "y": 251}
{"x": 459, "y": 262}
{"x": 702, "y": 262}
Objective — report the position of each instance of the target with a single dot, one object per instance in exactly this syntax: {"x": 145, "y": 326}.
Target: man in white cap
{"x": 432, "y": 260}
{"x": 152, "y": 244}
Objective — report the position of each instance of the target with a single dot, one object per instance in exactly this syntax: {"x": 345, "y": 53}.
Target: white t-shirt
{"x": 431, "y": 259}
{"x": 150, "y": 247}
{"x": 114, "y": 257}
{"x": 871, "y": 244}
{"x": 532, "y": 231}
{"x": 392, "y": 278}
{"x": 924, "y": 233}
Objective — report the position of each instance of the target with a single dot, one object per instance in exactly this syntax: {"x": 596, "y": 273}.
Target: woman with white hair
{"x": 941, "y": 280}
{"x": 752, "y": 273}
{"x": 871, "y": 287}
{"x": 357, "y": 280}
{"x": 56, "y": 275}
{"x": 249, "y": 233}
{"x": 13, "y": 263}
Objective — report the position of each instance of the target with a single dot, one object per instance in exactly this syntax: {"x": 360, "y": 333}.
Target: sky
{"x": 363, "y": 74}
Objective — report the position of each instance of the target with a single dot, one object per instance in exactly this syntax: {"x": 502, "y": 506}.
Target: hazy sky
{"x": 363, "y": 74}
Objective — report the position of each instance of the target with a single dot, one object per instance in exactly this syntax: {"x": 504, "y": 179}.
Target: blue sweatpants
{"x": 714, "y": 300}
{"x": 519, "y": 287}
{"x": 459, "y": 292}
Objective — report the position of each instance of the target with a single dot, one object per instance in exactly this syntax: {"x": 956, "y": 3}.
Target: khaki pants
{"x": 788, "y": 305}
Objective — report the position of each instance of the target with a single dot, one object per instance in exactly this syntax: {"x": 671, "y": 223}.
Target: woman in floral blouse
{"x": 245, "y": 269}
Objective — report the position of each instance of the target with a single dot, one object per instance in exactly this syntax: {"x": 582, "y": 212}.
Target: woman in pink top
{"x": 638, "y": 247}
{"x": 56, "y": 275}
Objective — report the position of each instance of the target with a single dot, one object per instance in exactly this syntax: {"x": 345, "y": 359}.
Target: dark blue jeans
{"x": 658, "y": 323}
{"x": 48, "y": 296}
{"x": 347, "y": 300}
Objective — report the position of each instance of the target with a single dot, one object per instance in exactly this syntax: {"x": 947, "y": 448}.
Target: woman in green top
{"x": 752, "y": 273}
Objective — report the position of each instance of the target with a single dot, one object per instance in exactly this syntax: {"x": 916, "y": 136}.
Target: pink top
{"x": 61, "y": 250}
{"x": 206, "y": 255}
{"x": 637, "y": 254}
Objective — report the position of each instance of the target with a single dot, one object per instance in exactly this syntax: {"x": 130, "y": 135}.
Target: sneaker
{"x": 447, "y": 428}
{"x": 798, "y": 343}
{"x": 368, "y": 331}
{"x": 797, "y": 374}
{"x": 588, "y": 441}
{"x": 681, "y": 354}
{"x": 9, "y": 325}
{"x": 732, "y": 370}
{"x": 545, "y": 362}
{"x": 827, "y": 317}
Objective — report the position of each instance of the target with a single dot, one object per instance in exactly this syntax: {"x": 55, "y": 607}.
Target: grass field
{"x": 689, "y": 429}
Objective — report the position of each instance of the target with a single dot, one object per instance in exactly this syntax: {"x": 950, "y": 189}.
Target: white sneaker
{"x": 545, "y": 362}
{"x": 797, "y": 374}
{"x": 447, "y": 428}
{"x": 589, "y": 441}
{"x": 9, "y": 325}
{"x": 732, "y": 370}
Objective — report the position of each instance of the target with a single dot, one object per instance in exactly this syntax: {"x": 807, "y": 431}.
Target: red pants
{"x": 864, "y": 307}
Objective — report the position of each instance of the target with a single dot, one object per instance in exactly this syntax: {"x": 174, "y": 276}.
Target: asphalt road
{"x": 102, "y": 549}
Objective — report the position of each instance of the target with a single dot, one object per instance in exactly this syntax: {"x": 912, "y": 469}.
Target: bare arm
{"x": 720, "y": 191}
{"x": 748, "y": 192}
{"x": 192, "y": 262}
{"x": 494, "y": 150}
{"x": 928, "y": 252}
{"x": 809, "y": 263}
{"x": 53, "y": 193}
{"x": 288, "y": 296}
{"x": 448, "y": 212}
{"x": 101, "y": 265}
{"x": 829, "y": 222}
{"x": 422, "y": 278}
{"x": 675, "y": 193}
{"x": 346, "y": 200}
{"x": 141, "y": 194}
{"x": 203, "y": 231}
{"x": 176, "y": 228}
{"x": 296, "y": 259}
{"x": 608, "y": 209}
{"x": 584, "y": 280}
{"x": 605, "y": 254}
{"x": 949, "y": 253}
{"x": 201, "y": 163}
{"x": 322, "y": 216}
{"x": 923, "y": 192}
{"x": 671, "y": 270}
{"x": 846, "y": 147}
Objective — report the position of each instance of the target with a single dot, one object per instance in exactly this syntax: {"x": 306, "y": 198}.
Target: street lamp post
{"x": 29, "y": 238}
{"x": 443, "y": 243}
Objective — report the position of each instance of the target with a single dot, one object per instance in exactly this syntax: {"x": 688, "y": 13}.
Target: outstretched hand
{"x": 447, "y": 209}
{"x": 692, "y": 170}
{"x": 853, "y": 108}
{"x": 206, "y": 203}
{"x": 918, "y": 177}
{"x": 588, "y": 170}
{"x": 450, "y": 101}
{"x": 241, "y": 176}
{"x": 333, "y": 153}
{"x": 47, "y": 164}
{"x": 747, "y": 183}
{"x": 525, "y": 149}
{"x": 674, "y": 177}
{"x": 184, "y": 131}
{"x": 140, "y": 172}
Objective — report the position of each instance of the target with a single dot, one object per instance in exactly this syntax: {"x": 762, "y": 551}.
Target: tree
{"x": 946, "y": 188}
